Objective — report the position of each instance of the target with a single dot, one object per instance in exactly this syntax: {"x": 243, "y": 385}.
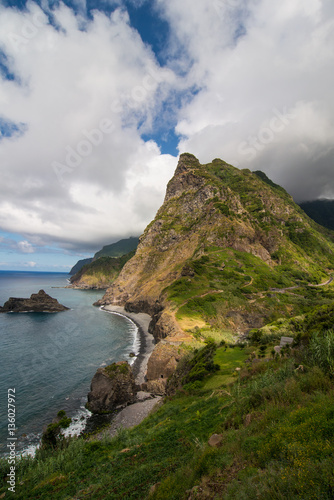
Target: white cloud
{"x": 87, "y": 91}
{"x": 71, "y": 84}
{"x": 25, "y": 247}
{"x": 250, "y": 58}
{"x": 30, "y": 264}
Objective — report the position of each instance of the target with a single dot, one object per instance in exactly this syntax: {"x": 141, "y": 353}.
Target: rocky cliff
{"x": 111, "y": 386}
{"x": 224, "y": 234}
{"x": 223, "y": 254}
{"x": 117, "y": 249}
{"x": 38, "y": 302}
{"x": 100, "y": 273}
{"x": 79, "y": 265}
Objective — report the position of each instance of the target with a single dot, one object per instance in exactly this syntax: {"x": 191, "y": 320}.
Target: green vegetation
{"x": 224, "y": 280}
{"x": 228, "y": 359}
{"x": 194, "y": 368}
{"x": 322, "y": 211}
{"x": 52, "y": 436}
{"x": 268, "y": 181}
{"x": 228, "y": 251}
{"x": 276, "y": 419}
{"x": 321, "y": 351}
{"x": 101, "y": 272}
{"x": 79, "y": 265}
{"x": 300, "y": 327}
{"x": 118, "y": 249}
{"x": 115, "y": 369}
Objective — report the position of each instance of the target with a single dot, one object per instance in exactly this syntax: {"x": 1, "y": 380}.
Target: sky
{"x": 99, "y": 97}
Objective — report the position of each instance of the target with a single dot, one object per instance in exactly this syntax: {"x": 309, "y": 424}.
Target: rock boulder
{"x": 111, "y": 386}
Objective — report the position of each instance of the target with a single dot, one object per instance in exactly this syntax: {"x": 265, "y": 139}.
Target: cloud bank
{"x": 85, "y": 91}
{"x": 265, "y": 70}
{"x": 249, "y": 81}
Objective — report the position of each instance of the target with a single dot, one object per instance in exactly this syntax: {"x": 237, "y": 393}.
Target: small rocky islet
{"x": 38, "y": 302}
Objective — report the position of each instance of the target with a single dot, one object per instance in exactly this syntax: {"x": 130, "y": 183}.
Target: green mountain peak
{"x": 220, "y": 245}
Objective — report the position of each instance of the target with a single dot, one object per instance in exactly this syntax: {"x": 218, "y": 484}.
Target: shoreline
{"x": 146, "y": 340}
{"x": 132, "y": 414}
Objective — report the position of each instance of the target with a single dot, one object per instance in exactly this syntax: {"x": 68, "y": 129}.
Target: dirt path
{"x": 283, "y": 290}
{"x": 323, "y": 284}
{"x": 249, "y": 284}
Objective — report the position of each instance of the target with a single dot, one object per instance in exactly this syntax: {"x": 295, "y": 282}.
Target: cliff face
{"x": 111, "y": 386}
{"x": 79, "y": 265}
{"x": 222, "y": 235}
{"x": 118, "y": 249}
{"x": 100, "y": 273}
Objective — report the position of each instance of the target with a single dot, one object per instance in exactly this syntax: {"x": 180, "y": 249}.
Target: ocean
{"x": 50, "y": 359}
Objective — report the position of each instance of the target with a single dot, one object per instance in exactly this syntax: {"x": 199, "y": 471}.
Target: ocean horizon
{"x": 50, "y": 359}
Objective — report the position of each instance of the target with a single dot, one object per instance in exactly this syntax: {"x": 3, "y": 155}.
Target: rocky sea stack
{"x": 38, "y": 302}
{"x": 111, "y": 386}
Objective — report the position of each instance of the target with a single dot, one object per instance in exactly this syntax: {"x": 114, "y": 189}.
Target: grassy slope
{"x": 277, "y": 425}
{"x": 118, "y": 249}
{"x": 101, "y": 272}
{"x": 322, "y": 211}
{"x": 221, "y": 279}
{"x": 243, "y": 284}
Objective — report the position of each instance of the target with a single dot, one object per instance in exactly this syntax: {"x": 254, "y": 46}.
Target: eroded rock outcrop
{"x": 161, "y": 365}
{"x": 111, "y": 386}
{"x": 38, "y": 302}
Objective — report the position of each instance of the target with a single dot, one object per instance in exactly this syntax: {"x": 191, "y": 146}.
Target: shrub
{"x": 193, "y": 386}
{"x": 255, "y": 336}
{"x": 262, "y": 349}
{"x": 314, "y": 380}
{"x": 52, "y": 436}
{"x": 321, "y": 350}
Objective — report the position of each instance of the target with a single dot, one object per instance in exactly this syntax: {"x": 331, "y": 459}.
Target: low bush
{"x": 321, "y": 351}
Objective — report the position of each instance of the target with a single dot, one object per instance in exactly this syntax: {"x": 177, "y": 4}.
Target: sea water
{"x": 50, "y": 359}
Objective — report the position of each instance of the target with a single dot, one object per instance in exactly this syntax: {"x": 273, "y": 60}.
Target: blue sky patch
{"x": 167, "y": 141}
{"x": 9, "y": 128}
{"x": 153, "y": 30}
{"x": 5, "y": 72}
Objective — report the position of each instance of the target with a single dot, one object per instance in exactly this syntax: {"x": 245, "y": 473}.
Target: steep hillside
{"x": 246, "y": 423}
{"x": 100, "y": 273}
{"x": 220, "y": 250}
{"x": 322, "y": 211}
{"x": 79, "y": 265}
{"x": 117, "y": 249}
